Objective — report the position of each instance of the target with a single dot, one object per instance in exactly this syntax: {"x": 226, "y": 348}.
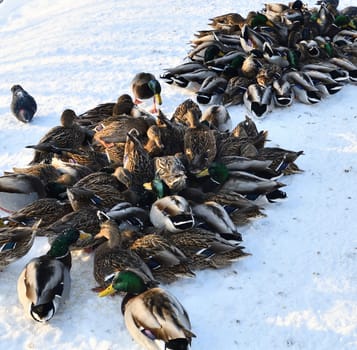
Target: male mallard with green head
{"x": 145, "y": 86}
{"x": 45, "y": 280}
{"x": 153, "y": 316}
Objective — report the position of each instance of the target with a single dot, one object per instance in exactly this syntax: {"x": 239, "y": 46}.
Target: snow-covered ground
{"x": 298, "y": 290}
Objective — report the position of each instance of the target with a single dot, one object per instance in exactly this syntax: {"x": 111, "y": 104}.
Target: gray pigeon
{"x": 23, "y": 105}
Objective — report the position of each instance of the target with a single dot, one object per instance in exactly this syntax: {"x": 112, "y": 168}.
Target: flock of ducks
{"x": 158, "y": 198}
{"x": 154, "y": 198}
{"x": 271, "y": 58}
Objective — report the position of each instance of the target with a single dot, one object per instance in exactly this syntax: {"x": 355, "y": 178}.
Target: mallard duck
{"x": 165, "y": 260}
{"x": 128, "y": 216}
{"x": 23, "y": 105}
{"x": 171, "y": 170}
{"x": 18, "y": 190}
{"x": 346, "y": 64}
{"x": 218, "y": 118}
{"x": 236, "y": 87}
{"x": 110, "y": 132}
{"x": 47, "y": 209}
{"x": 154, "y": 145}
{"x": 303, "y": 87}
{"x": 283, "y": 95}
{"x": 85, "y": 220}
{"x": 45, "y": 281}
{"x": 324, "y": 82}
{"x": 229, "y": 22}
{"x": 145, "y": 86}
{"x": 289, "y": 156}
{"x": 111, "y": 257}
{"x": 199, "y": 144}
{"x": 258, "y": 99}
{"x": 211, "y": 88}
{"x": 172, "y": 75}
{"x": 69, "y": 135}
{"x": 136, "y": 159}
{"x": 172, "y": 213}
{"x": 180, "y": 114}
{"x": 152, "y": 315}
{"x": 15, "y": 242}
{"x": 212, "y": 215}
{"x": 171, "y": 135}
{"x": 193, "y": 80}
{"x": 203, "y": 247}
{"x": 99, "y": 178}
{"x": 45, "y": 172}
{"x": 230, "y": 145}
{"x": 238, "y": 181}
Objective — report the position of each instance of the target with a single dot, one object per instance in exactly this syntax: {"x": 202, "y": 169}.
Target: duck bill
{"x": 147, "y": 186}
{"x": 84, "y": 236}
{"x": 203, "y": 173}
{"x": 157, "y": 98}
{"x": 107, "y": 291}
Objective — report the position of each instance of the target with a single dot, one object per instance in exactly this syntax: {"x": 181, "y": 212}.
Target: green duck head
{"x": 157, "y": 186}
{"x": 260, "y": 20}
{"x": 218, "y": 172}
{"x": 125, "y": 281}
{"x": 155, "y": 87}
{"x": 60, "y": 246}
{"x": 212, "y": 52}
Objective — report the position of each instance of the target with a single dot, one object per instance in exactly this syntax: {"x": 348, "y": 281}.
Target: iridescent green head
{"x": 260, "y": 20}
{"x": 60, "y": 246}
{"x": 125, "y": 281}
{"x": 212, "y": 52}
{"x": 218, "y": 172}
{"x": 155, "y": 87}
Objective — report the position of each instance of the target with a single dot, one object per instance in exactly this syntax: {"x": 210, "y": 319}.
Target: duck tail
{"x": 177, "y": 344}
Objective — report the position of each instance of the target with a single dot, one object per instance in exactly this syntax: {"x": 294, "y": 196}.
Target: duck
{"x": 258, "y": 100}
{"x": 207, "y": 249}
{"x": 15, "y": 242}
{"x": 211, "y": 89}
{"x": 222, "y": 179}
{"x": 283, "y": 94}
{"x": 236, "y": 87}
{"x": 44, "y": 283}
{"x": 288, "y": 166}
{"x": 144, "y": 86}
{"x": 303, "y": 87}
{"x": 85, "y": 220}
{"x": 68, "y": 135}
{"x": 47, "y": 209}
{"x": 111, "y": 256}
{"x": 180, "y": 114}
{"x": 45, "y": 172}
{"x": 166, "y": 262}
{"x": 154, "y": 145}
{"x": 218, "y": 118}
{"x": 171, "y": 135}
{"x": 23, "y": 105}
{"x": 172, "y": 75}
{"x": 172, "y": 171}
{"x": 213, "y": 216}
{"x": 129, "y": 216}
{"x": 172, "y": 213}
{"x": 137, "y": 160}
{"x": 112, "y": 131}
{"x": 18, "y": 190}
{"x": 153, "y": 316}
{"x": 199, "y": 144}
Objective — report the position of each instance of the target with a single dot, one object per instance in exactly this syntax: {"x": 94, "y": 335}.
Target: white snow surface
{"x": 298, "y": 290}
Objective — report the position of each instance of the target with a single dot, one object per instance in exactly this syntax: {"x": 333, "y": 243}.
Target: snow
{"x": 298, "y": 290}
